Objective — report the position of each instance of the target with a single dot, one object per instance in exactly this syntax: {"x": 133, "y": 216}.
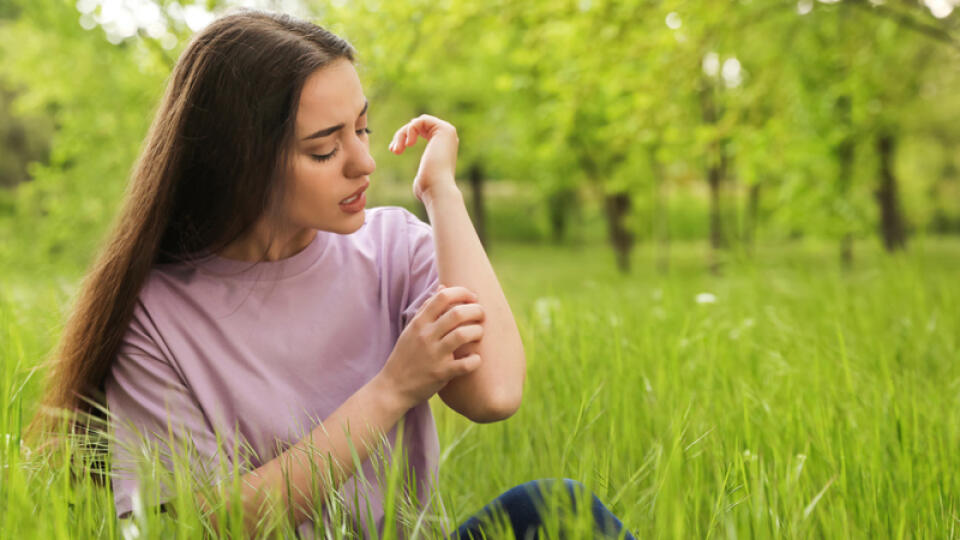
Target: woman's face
{"x": 331, "y": 156}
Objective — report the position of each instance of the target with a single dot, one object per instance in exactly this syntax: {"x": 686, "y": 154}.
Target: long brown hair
{"x": 211, "y": 166}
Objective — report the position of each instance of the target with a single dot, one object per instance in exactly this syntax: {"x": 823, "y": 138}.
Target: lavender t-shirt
{"x": 267, "y": 351}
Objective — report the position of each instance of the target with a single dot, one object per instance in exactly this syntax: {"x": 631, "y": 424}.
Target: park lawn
{"x": 785, "y": 397}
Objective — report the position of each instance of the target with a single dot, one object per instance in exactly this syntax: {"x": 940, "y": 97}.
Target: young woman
{"x": 247, "y": 295}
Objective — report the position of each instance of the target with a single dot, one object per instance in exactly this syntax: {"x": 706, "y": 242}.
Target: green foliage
{"x": 101, "y": 97}
{"x": 575, "y": 99}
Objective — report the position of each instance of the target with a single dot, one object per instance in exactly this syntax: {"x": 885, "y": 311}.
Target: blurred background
{"x": 665, "y": 130}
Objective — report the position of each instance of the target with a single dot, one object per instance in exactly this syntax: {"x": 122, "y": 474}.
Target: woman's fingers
{"x": 395, "y": 143}
{"x": 422, "y": 126}
{"x": 462, "y": 366}
{"x": 441, "y": 302}
{"x": 401, "y": 139}
{"x": 457, "y": 315}
{"x": 459, "y": 336}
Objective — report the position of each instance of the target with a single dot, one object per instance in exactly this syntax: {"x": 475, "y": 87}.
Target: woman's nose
{"x": 361, "y": 163}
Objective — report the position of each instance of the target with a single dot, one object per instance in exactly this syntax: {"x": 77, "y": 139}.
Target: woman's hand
{"x": 422, "y": 361}
{"x": 439, "y": 162}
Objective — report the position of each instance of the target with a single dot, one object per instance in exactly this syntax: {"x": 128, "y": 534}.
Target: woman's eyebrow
{"x": 333, "y": 129}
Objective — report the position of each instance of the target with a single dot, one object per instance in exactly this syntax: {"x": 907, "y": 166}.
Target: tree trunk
{"x": 714, "y": 177}
{"x": 891, "y": 219}
{"x": 617, "y": 206}
{"x": 716, "y": 162}
{"x": 718, "y": 239}
{"x": 479, "y": 213}
{"x": 753, "y": 212}
{"x": 661, "y": 214}
{"x": 845, "y": 155}
{"x": 559, "y": 206}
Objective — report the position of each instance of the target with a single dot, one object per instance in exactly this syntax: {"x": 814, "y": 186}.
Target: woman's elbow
{"x": 499, "y": 407}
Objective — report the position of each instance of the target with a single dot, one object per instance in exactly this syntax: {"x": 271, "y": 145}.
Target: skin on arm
{"x": 421, "y": 363}
{"x": 494, "y": 391}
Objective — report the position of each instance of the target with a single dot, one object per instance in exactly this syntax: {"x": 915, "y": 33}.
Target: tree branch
{"x": 908, "y": 22}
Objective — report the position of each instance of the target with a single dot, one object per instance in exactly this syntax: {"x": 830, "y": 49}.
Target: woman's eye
{"x": 324, "y": 157}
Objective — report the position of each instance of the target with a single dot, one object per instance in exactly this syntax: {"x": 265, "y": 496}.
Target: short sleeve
{"x": 423, "y": 278}
{"x": 149, "y": 404}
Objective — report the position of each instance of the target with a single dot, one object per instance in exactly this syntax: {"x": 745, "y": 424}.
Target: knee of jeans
{"x": 574, "y": 486}
{"x": 542, "y": 486}
{"x": 531, "y": 490}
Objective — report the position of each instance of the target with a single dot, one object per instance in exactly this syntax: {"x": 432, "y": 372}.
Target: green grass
{"x": 805, "y": 401}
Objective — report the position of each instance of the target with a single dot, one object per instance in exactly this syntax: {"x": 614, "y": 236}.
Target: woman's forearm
{"x": 494, "y": 391}
{"x": 291, "y": 478}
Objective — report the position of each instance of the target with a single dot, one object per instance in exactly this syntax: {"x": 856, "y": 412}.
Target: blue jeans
{"x": 523, "y": 504}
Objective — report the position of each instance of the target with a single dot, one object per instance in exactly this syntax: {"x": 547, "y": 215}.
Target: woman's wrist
{"x": 441, "y": 194}
{"x": 385, "y": 392}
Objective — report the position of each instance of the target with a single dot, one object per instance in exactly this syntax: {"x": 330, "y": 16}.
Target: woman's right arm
{"x": 421, "y": 363}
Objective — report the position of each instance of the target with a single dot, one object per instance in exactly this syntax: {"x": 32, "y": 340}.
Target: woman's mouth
{"x": 355, "y": 202}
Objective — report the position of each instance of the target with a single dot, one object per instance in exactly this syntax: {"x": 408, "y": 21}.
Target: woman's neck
{"x": 253, "y": 245}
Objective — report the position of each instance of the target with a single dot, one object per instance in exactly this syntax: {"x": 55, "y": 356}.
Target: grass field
{"x": 785, "y": 397}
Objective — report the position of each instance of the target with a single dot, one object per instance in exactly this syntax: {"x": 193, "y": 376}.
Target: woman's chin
{"x": 350, "y": 223}
{"x": 361, "y": 218}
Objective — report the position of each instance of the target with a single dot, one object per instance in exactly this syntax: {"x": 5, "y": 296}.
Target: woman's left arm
{"x": 494, "y": 390}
